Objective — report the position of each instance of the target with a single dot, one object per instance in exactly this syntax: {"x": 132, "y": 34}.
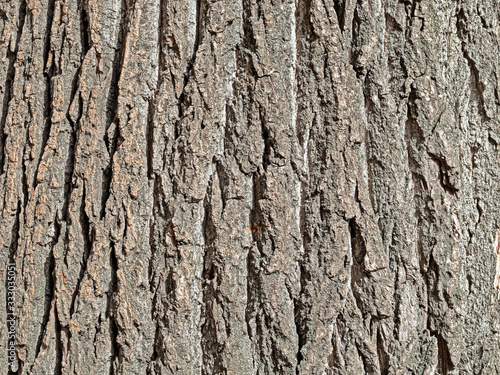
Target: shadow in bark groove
{"x": 8, "y": 83}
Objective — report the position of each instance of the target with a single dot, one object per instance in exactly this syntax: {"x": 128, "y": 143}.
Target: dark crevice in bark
{"x": 48, "y": 74}
{"x": 85, "y": 38}
{"x": 156, "y": 353}
{"x": 248, "y": 37}
{"x": 266, "y": 156}
{"x": 256, "y": 215}
{"x": 200, "y": 12}
{"x": 152, "y": 243}
{"x": 301, "y": 303}
{"x": 444, "y": 174}
{"x": 11, "y": 259}
{"x": 302, "y": 139}
{"x": 24, "y": 177}
{"x": 251, "y": 280}
{"x": 398, "y": 316}
{"x": 414, "y": 138}
{"x": 354, "y": 49}
{"x": 431, "y": 280}
{"x": 444, "y": 361}
{"x": 228, "y": 125}
{"x": 247, "y": 72}
{"x": 412, "y": 6}
{"x": 73, "y": 122}
{"x": 59, "y": 344}
{"x": 112, "y": 133}
{"x": 70, "y": 164}
{"x": 210, "y": 347}
{"x": 74, "y": 91}
{"x": 49, "y": 289}
{"x": 184, "y": 100}
{"x": 176, "y": 123}
{"x": 358, "y": 252}
{"x": 298, "y": 312}
{"x": 479, "y": 212}
{"x": 298, "y": 306}
{"x": 369, "y": 168}
{"x": 15, "y": 234}
{"x": 49, "y": 295}
{"x": 223, "y": 183}
{"x": 339, "y": 6}
{"x": 153, "y": 101}
{"x": 68, "y": 176}
{"x": 151, "y": 274}
{"x": 383, "y": 356}
{"x": 48, "y": 29}
{"x": 363, "y": 361}
{"x": 97, "y": 330}
{"x": 87, "y": 245}
{"x": 250, "y": 302}
{"x": 117, "y": 63}
{"x": 107, "y": 175}
{"x": 253, "y": 267}
{"x": 8, "y": 82}
{"x": 302, "y": 217}
{"x": 113, "y": 329}
{"x": 150, "y": 136}
{"x": 115, "y": 350}
{"x": 46, "y": 130}
{"x": 470, "y": 283}
{"x": 248, "y": 48}
{"x": 254, "y": 212}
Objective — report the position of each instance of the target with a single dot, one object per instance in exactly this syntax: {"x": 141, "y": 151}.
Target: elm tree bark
{"x": 250, "y": 186}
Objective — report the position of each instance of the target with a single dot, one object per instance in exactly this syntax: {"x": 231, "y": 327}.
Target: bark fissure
{"x": 113, "y": 326}
{"x": 85, "y": 36}
{"x": 49, "y": 297}
{"x": 112, "y": 132}
{"x": 59, "y": 344}
{"x": 87, "y": 246}
{"x": 48, "y": 74}
{"x": 12, "y": 56}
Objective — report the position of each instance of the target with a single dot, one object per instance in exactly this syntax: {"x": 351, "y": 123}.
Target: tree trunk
{"x": 250, "y": 187}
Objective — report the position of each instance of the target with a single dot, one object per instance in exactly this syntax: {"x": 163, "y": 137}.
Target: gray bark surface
{"x": 250, "y": 186}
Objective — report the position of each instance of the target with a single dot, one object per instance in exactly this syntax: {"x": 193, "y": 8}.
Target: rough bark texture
{"x": 251, "y": 186}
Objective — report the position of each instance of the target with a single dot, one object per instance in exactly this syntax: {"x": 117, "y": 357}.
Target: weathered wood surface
{"x": 251, "y": 187}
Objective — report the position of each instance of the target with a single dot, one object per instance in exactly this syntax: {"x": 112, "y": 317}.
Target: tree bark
{"x": 250, "y": 187}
